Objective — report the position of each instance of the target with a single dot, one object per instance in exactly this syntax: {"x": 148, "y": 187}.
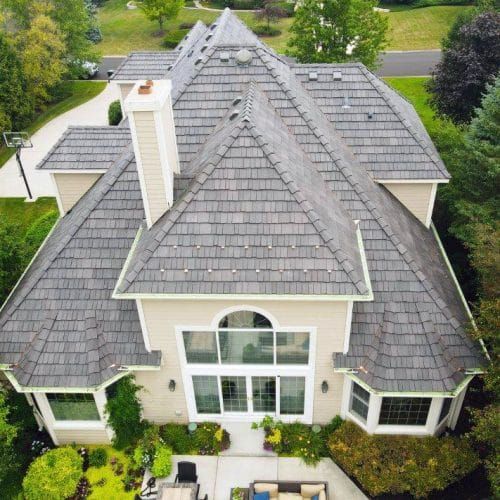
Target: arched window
{"x": 245, "y": 319}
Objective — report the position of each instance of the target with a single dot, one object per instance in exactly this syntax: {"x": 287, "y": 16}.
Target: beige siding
{"x": 125, "y": 89}
{"x": 162, "y": 317}
{"x": 415, "y": 196}
{"x": 149, "y": 152}
{"x": 81, "y": 436}
{"x": 72, "y": 187}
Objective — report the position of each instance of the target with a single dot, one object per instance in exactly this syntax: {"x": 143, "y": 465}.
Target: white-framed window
{"x": 360, "y": 402}
{"x": 73, "y": 406}
{"x": 404, "y": 411}
{"x": 245, "y": 365}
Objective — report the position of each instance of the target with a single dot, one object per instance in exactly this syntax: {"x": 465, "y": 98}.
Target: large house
{"x": 255, "y": 238}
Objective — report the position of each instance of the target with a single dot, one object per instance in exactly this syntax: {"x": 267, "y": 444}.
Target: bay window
{"x": 360, "y": 401}
{"x": 404, "y": 411}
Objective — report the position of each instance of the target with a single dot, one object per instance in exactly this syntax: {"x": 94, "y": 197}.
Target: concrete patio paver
{"x": 93, "y": 112}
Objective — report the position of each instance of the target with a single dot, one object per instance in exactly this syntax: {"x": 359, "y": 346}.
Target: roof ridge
{"x": 376, "y": 83}
{"x": 95, "y": 194}
{"x": 344, "y": 168}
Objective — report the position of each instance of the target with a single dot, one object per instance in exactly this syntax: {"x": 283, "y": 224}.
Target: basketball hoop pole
{"x": 18, "y": 158}
{"x": 18, "y": 141}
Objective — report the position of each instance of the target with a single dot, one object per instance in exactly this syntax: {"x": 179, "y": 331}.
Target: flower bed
{"x": 297, "y": 439}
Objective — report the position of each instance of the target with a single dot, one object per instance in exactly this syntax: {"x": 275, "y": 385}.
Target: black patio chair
{"x": 186, "y": 473}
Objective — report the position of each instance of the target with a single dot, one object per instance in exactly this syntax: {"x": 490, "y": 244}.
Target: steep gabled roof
{"x": 267, "y": 222}
{"x": 144, "y": 66}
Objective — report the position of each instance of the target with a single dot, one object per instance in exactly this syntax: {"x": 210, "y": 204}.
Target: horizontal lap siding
{"x": 82, "y": 436}
{"x": 72, "y": 187}
{"x": 415, "y": 196}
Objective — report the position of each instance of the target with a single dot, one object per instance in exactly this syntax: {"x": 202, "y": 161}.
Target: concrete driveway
{"x": 93, "y": 112}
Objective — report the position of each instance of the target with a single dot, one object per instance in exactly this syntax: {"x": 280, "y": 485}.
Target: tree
{"x": 338, "y": 31}
{"x": 16, "y": 107}
{"x": 11, "y": 257}
{"x": 161, "y": 10}
{"x": 42, "y": 54}
{"x": 8, "y": 432}
{"x": 470, "y": 60}
{"x": 270, "y": 12}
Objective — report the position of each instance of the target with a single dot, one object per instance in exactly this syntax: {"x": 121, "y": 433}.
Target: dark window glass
{"x": 70, "y": 406}
{"x": 244, "y": 319}
{"x": 404, "y": 411}
{"x": 201, "y": 347}
{"x": 445, "y": 409}
{"x": 360, "y": 400}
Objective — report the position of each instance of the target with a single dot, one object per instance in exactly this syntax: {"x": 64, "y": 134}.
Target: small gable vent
{"x": 313, "y": 76}
{"x": 224, "y": 56}
{"x": 243, "y": 57}
{"x": 337, "y": 76}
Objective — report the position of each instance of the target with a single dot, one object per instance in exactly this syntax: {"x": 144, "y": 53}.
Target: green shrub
{"x": 38, "y": 231}
{"x": 401, "y": 464}
{"x": 98, "y": 457}
{"x": 178, "y": 437}
{"x": 162, "y": 462}
{"x": 287, "y": 7}
{"x": 173, "y": 38}
{"x": 210, "y": 438}
{"x": 124, "y": 412}
{"x": 54, "y": 475}
{"x": 145, "y": 451}
{"x": 265, "y": 30}
{"x": 115, "y": 114}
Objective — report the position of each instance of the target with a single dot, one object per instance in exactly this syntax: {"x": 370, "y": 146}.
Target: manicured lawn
{"x": 420, "y": 28}
{"x": 78, "y": 92}
{"x": 23, "y": 213}
{"x": 128, "y": 30}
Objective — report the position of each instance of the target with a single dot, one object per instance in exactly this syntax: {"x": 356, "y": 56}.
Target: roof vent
{"x": 234, "y": 114}
{"x": 370, "y": 114}
{"x": 313, "y": 76}
{"x": 198, "y": 61}
{"x": 208, "y": 37}
{"x": 224, "y": 56}
{"x": 237, "y": 100}
{"x": 346, "y": 104}
{"x": 213, "y": 26}
{"x": 180, "y": 47}
{"x": 205, "y": 47}
{"x": 190, "y": 53}
{"x": 243, "y": 57}
{"x": 169, "y": 67}
{"x": 337, "y": 76}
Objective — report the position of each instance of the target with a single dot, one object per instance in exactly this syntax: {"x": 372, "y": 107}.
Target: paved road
{"x": 414, "y": 63}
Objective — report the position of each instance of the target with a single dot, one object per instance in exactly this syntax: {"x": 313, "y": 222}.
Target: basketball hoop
{"x": 18, "y": 141}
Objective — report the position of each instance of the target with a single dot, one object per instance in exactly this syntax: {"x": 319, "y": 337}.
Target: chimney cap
{"x": 144, "y": 97}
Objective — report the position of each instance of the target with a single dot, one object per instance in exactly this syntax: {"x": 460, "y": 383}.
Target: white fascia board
{"x": 430, "y": 394}
{"x": 412, "y": 181}
{"x": 74, "y": 170}
{"x": 364, "y": 264}
{"x": 30, "y": 264}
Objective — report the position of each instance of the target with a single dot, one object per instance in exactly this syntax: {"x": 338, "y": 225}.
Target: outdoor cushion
{"x": 272, "y": 488}
{"x": 315, "y": 497}
{"x": 309, "y": 490}
{"x": 289, "y": 496}
{"x": 262, "y": 496}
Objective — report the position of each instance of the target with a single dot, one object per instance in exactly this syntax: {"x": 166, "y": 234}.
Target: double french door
{"x": 251, "y": 395}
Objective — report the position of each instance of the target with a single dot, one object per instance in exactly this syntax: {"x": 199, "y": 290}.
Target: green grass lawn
{"x": 127, "y": 30}
{"x": 24, "y": 213}
{"x": 77, "y": 92}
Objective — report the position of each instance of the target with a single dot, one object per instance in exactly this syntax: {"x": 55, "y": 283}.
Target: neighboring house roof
{"x": 87, "y": 148}
{"x": 411, "y": 337}
{"x": 145, "y": 65}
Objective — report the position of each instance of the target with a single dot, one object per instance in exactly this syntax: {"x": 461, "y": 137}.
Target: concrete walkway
{"x": 217, "y": 475}
{"x": 93, "y": 112}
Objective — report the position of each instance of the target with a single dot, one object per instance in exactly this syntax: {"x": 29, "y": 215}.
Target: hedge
{"x": 401, "y": 464}
{"x": 115, "y": 114}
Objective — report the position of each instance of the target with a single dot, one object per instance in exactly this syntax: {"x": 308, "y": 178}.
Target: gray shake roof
{"x": 410, "y": 337}
{"x": 87, "y": 148}
{"x": 145, "y": 65}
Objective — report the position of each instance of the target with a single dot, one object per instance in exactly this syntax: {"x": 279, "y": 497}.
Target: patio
{"x": 217, "y": 475}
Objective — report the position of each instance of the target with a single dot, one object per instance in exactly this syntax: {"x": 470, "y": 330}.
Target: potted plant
{"x": 237, "y": 494}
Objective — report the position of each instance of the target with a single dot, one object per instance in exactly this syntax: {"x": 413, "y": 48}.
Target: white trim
{"x": 364, "y": 263}
{"x": 456, "y": 407}
{"x": 347, "y": 328}
{"x": 246, "y": 370}
{"x": 412, "y": 181}
{"x": 430, "y": 207}
{"x": 214, "y": 325}
{"x": 47, "y": 416}
{"x": 144, "y": 326}
{"x": 58, "y": 195}
{"x": 74, "y": 171}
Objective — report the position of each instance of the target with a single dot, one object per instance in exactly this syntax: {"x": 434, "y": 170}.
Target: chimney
{"x": 149, "y": 110}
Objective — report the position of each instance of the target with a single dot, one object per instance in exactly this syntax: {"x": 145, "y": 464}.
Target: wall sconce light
{"x": 171, "y": 385}
{"x": 324, "y": 387}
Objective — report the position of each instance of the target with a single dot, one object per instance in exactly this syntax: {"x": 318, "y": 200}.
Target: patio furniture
{"x": 287, "y": 490}
{"x": 186, "y": 473}
{"x": 178, "y": 491}
{"x": 149, "y": 490}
